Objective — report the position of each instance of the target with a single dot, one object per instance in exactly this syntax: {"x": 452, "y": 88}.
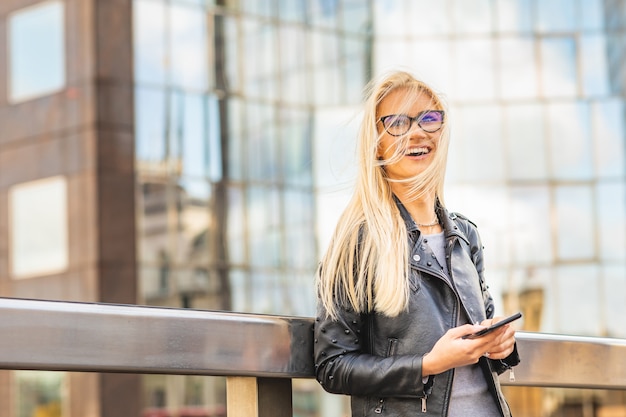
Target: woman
{"x": 402, "y": 280}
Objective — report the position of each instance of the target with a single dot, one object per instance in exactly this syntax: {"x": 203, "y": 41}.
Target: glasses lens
{"x": 431, "y": 121}
{"x": 397, "y": 124}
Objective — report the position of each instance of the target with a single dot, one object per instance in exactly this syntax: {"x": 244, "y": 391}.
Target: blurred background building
{"x": 197, "y": 153}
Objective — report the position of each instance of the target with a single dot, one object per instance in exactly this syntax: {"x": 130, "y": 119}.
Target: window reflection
{"x": 574, "y": 221}
{"x": 261, "y": 147}
{"x": 524, "y": 131}
{"x": 594, "y": 67}
{"x": 556, "y": 16}
{"x": 296, "y": 132}
{"x": 36, "y": 41}
{"x": 471, "y": 16}
{"x": 611, "y": 217}
{"x": 514, "y": 16}
{"x": 531, "y": 225}
{"x": 474, "y": 69}
{"x": 264, "y": 214}
{"x": 518, "y": 78}
{"x": 259, "y": 47}
{"x": 558, "y": 67}
{"x": 569, "y": 139}
{"x": 607, "y": 126}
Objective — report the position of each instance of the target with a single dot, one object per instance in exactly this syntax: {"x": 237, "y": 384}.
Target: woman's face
{"x": 418, "y": 151}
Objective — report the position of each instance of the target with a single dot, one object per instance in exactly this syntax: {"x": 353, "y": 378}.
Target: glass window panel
{"x": 607, "y": 123}
{"x": 556, "y": 16}
{"x": 152, "y": 222}
{"x": 228, "y": 45}
{"x": 356, "y": 16}
{"x": 574, "y": 220}
{"x": 189, "y": 47}
{"x": 293, "y": 65}
{"x": 481, "y": 145}
{"x": 514, "y": 15}
{"x": 40, "y": 393}
{"x": 576, "y": 287}
{"x": 193, "y": 234}
{"x": 592, "y": 14}
{"x": 524, "y": 127}
{"x": 614, "y": 302}
{"x": 298, "y": 224}
{"x": 324, "y": 13}
{"x": 150, "y": 126}
{"x": 265, "y": 288}
{"x": 611, "y": 220}
{"x": 240, "y": 290}
{"x": 434, "y": 18}
{"x": 259, "y": 49}
{"x": 518, "y": 75}
{"x": 193, "y": 135}
{"x": 326, "y": 68}
{"x": 38, "y": 232}
{"x": 356, "y": 63}
{"x": 36, "y": 40}
{"x": 570, "y": 140}
{"x": 303, "y": 285}
{"x": 530, "y": 225}
{"x": 155, "y": 280}
{"x": 261, "y": 148}
{"x": 472, "y": 16}
{"x": 175, "y": 129}
{"x": 149, "y": 42}
{"x": 236, "y": 226}
{"x": 266, "y": 8}
{"x": 214, "y": 140}
{"x": 390, "y": 17}
{"x": 264, "y": 231}
{"x": 292, "y": 10}
{"x": 296, "y": 132}
{"x": 474, "y": 75}
{"x": 392, "y": 54}
{"x": 558, "y": 67}
{"x": 594, "y": 67}
{"x": 433, "y": 63}
{"x": 235, "y": 143}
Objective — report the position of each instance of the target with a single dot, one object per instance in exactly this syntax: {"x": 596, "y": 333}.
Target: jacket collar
{"x": 446, "y": 219}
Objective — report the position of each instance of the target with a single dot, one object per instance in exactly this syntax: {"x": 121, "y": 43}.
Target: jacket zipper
{"x": 391, "y": 350}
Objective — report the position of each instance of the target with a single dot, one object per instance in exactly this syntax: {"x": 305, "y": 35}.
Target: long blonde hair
{"x": 366, "y": 264}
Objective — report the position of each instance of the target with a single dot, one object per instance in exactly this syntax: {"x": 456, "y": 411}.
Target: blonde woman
{"x": 401, "y": 283}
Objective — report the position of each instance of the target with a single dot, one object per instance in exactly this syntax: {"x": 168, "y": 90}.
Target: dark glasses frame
{"x": 417, "y": 119}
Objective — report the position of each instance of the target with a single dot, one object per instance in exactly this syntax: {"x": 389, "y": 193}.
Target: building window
{"x": 38, "y": 227}
{"x": 36, "y": 41}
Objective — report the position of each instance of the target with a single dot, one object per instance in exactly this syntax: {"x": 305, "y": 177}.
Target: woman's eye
{"x": 399, "y": 122}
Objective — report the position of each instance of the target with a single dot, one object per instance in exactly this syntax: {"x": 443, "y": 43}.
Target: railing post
{"x": 258, "y": 397}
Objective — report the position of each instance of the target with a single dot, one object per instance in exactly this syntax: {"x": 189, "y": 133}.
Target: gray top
{"x": 470, "y": 395}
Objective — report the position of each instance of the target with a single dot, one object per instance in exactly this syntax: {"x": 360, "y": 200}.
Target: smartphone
{"x": 493, "y": 326}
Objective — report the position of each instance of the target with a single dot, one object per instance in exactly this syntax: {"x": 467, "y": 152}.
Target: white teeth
{"x": 417, "y": 151}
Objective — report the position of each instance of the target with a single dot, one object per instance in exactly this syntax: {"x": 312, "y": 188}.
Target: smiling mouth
{"x": 417, "y": 151}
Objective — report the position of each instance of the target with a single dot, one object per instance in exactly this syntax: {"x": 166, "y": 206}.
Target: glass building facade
{"x": 242, "y": 115}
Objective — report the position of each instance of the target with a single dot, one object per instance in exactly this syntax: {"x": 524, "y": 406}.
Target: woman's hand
{"x": 452, "y": 351}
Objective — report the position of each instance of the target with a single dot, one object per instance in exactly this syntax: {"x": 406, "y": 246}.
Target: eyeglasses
{"x": 399, "y": 124}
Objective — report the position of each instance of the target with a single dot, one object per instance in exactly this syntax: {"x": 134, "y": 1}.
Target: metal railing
{"x": 259, "y": 354}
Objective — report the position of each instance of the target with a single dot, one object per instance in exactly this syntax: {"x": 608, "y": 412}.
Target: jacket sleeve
{"x": 343, "y": 367}
{"x": 476, "y": 247}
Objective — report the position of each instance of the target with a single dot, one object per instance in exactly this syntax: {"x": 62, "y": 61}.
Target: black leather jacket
{"x": 378, "y": 359}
